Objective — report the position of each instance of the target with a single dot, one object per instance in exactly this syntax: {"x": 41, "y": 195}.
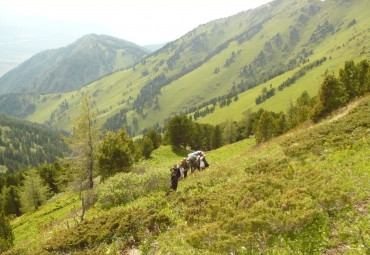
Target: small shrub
{"x": 125, "y": 187}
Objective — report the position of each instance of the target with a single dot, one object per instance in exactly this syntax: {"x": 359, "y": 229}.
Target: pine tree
{"x": 348, "y": 77}
{"x": 179, "y": 131}
{"x": 33, "y": 192}
{"x": 216, "y": 138}
{"x": 266, "y": 127}
{"x": 146, "y": 146}
{"x": 363, "y": 76}
{"x": 332, "y": 94}
{"x": 281, "y": 124}
{"x": 196, "y": 140}
{"x": 206, "y": 141}
{"x": 6, "y": 234}
{"x": 116, "y": 153}
{"x": 155, "y": 137}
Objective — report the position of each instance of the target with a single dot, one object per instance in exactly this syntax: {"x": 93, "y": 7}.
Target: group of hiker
{"x": 195, "y": 160}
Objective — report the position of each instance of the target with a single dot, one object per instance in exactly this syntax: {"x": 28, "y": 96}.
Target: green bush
{"x": 127, "y": 226}
{"x": 125, "y": 187}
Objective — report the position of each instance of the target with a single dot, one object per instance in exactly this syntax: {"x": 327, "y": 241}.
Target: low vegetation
{"x": 303, "y": 192}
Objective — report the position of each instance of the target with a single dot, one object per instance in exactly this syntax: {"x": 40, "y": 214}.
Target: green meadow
{"x": 305, "y": 192}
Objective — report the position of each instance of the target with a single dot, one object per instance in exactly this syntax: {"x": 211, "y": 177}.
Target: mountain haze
{"x": 224, "y": 66}
{"x": 73, "y": 66}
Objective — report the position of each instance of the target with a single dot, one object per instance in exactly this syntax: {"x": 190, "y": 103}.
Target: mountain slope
{"x": 218, "y": 63}
{"x": 305, "y": 192}
{"x": 73, "y": 66}
{"x": 24, "y": 144}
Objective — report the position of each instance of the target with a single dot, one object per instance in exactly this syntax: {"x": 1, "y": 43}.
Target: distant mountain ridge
{"x": 71, "y": 67}
{"x": 154, "y": 47}
{"x": 260, "y": 58}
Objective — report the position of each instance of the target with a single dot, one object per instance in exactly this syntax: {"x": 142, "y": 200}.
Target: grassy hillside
{"x": 73, "y": 66}
{"x": 239, "y": 55}
{"x": 305, "y": 192}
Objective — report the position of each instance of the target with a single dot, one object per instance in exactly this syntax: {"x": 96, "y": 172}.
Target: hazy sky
{"x": 27, "y": 27}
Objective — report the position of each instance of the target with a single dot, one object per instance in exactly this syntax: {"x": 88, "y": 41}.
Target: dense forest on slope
{"x": 73, "y": 66}
{"x": 24, "y": 144}
{"x": 18, "y": 105}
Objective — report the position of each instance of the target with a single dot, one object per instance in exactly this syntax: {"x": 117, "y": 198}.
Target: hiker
{"x": 184, "y": 166}
{"x": 175, "y": 176}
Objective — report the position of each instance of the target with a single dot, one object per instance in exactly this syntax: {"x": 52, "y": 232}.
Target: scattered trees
{"x": 353, "y": 81}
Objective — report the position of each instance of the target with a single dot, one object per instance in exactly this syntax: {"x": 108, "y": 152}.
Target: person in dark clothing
{"x": 205, "y": 162}
{"x": 175, "y": 176}
{"x": 185, "y": 167}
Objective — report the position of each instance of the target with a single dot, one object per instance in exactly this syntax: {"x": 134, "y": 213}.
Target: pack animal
{"x": 194, "y": 163}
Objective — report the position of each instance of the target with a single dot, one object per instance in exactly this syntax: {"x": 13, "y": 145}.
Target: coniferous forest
{"x": 24, "y": 144}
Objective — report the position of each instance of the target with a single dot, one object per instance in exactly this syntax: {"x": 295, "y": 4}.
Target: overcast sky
{"x": 27, "y": 27}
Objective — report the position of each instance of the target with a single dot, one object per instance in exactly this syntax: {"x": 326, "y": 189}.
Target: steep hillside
{"x": 305, "y": 192}
{"x": 24, "y": 144}
{"x": 73, "y": 66}
{"x": 224, "y": 66}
